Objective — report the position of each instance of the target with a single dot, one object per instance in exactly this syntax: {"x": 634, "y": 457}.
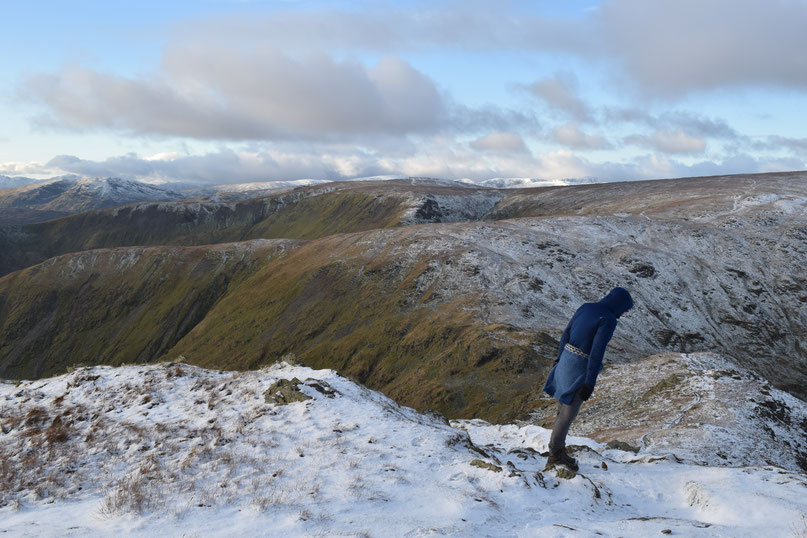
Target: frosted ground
{"x": 176, "y": 450}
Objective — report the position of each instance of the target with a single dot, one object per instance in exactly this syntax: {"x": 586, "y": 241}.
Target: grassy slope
{"x": 112, "y": 307}
{"x": 186, "y": 224}
{"x": 334, "y": 306}
{"x": 334, "y": 302}
{"x": 330, "y": 301}
{"x": 338, "y": 212}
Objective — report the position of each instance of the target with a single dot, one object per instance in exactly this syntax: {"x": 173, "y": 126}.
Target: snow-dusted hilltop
{"x": 7, "y": 182}
{"x": 51, "y": 199}
{"x": 240, "y": 191}
{"x": 172, "y": 449}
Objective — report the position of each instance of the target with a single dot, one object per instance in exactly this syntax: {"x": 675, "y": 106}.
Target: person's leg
{"x": 566, "y": 415}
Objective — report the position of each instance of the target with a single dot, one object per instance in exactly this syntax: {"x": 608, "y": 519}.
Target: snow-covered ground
{"x": 701, "y": 407}
{"x": 176, "y": 450}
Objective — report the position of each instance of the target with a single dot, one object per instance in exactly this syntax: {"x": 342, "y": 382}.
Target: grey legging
{"x": 566, "y": 415}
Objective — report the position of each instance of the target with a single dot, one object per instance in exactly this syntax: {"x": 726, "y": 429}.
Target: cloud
{"x": 560, "y": 93}
{"x": 674, "y": 131}
{"x": 438, "y": 157}
{"x": 570, "y": 135}
{"x": 796, "y": 145}
{"x": 384, "y": 27}
{"x": 500, "y": 142}
{"x": 690, "y": 122}
{"x": 204, "y": 92}
{"x": 27, "y": 169}
{"x": 669, "y": 141}
{"x": 565, "y": 164}
{"x": 230, "y": 94}
{"x": 664, "y": 48}
{"x": 229, "y": 166}
{"x": 671, "y": 48}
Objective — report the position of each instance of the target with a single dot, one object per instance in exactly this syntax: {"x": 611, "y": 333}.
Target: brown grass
{"x": 129, "y": 495}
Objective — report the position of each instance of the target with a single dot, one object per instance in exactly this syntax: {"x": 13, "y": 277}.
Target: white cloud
{"x": 386, "y": 27}
{"x": 669, "y": 141}
{"x": 798, "y": 146}
{"x": 163, "y": 156}
{"x": 267, "y": 80}
{"x": 30, "y": 169}
{"x": 229, "y": 94}
{"x": 670, "y": 48}
{"x": 666, "y": 48}
{"x": 438, "y": 157}
{"x": 560, "y": 93}
{"x": 570, "y": 135}
{"x": 500, "y": 142}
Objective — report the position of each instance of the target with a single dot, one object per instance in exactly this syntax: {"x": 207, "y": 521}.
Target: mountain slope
{"x": 310, "y": 212}
{"x": 527, "y": 276}
{"x": 320, "y": 210}
{"x": 463, "y": 317}
{"x": 7, "y": 182}
{"x": 701, "y": 407}
{"x": 685, "y": 198}
{"x": 116, "y": 306}
{"x": 460, "y": 317}
{"x": 173, "y": 449}
{"x": 374, "y": 320}
{"x": 47, "y": 200}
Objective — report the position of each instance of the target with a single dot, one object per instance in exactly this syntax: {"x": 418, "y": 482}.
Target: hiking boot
{"x": 560, "y": 457}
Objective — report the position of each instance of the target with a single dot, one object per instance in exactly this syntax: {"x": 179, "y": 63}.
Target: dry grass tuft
{"x": 131, "y": 494}
{"x": 57, "y": 432}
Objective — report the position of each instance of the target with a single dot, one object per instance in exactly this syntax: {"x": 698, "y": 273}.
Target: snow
{"x": 732, "y": 282}
{"x": 172, "y": 449}
{"x": 466, "y": 206}
{"x": 525, "y": 182}
{"x": 7, "y": 182}
{"x": 115, "y": 190}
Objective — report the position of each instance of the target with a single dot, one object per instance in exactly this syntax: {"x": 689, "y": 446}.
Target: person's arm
{"x": 595, "y": 356}
{"x": 564, "y": 338}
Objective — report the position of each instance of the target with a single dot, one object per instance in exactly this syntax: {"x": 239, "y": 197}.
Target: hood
{"x": 618, "y": 301}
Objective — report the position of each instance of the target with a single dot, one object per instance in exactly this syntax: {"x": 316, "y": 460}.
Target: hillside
{"x": 303, "y": 213}
{"x": 115, "y": 306}
{"x": 42, "y": 201}
{"x": 172, "y": 449}
{"x": 460, "y": 317}
{"x": 7, "y": 182}
{"x": 702, "y": 407}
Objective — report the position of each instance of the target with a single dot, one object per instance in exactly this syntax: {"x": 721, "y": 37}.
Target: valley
{"x": 442, "y": 296}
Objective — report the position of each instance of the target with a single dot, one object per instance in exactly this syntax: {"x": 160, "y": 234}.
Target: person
{"x": 574, "y": 374}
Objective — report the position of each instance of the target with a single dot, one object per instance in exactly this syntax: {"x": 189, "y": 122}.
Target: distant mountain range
{"x": 25, "y": 200}
{"x": 36, "y": 202}
{"x": 443, "y": 295}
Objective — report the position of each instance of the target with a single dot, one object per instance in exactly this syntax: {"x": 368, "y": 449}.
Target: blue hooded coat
{"x": 589, "y": 330}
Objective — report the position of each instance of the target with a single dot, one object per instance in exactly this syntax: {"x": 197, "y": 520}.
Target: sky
{"x": 228, "y": 91}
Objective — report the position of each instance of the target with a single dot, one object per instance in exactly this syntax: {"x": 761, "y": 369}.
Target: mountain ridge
{"x": 432, "y": 312}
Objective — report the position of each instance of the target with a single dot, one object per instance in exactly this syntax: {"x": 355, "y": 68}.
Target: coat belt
{"x": 570, "y": 348}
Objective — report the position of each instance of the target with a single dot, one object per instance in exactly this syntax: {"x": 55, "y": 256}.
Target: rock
{"x": 486, "y": 465}
{"x": 437, "y": 416}
{"x": 285, "y": 391}
{"x": 604, "y": 466}
{"x": 321, "y": 386}
{"x": 563, "y": 472}
{"x": 622, "y": 445}
{"x": 666, "y": 531}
